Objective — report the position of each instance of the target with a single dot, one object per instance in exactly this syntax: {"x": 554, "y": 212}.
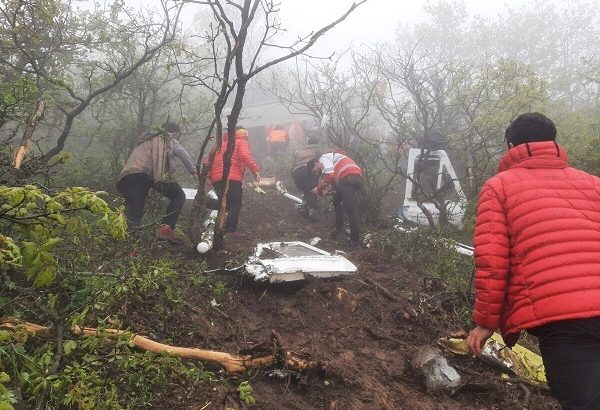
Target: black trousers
{"x": 306, "y": 181}
{"x": 234, "y": 202}
{"x": 571, "y": 353}
{"x": 346, "y": 200}
{"x": 135, "y": 187}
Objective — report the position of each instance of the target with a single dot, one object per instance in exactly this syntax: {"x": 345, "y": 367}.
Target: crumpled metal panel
{"x": 292, "y": 261}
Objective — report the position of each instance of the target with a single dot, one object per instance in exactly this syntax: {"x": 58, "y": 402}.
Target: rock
{"x": 439, "y": 375}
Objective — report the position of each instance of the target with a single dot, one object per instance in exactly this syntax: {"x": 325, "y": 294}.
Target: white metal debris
{"x": 292, "y": 261}
{"x": 439, "y": 375}
{"x": 314, "y": 241}
{"x": 206, "y": 241}
{"x": 445, "y": 177}
{"x": 286, "y": 194}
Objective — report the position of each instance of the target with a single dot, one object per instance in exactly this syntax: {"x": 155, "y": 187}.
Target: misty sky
{"x": 374, "y": 21}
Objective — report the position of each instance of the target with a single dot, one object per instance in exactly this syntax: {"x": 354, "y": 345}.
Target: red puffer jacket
{"x": 240, "y": 160}
{"x": 537, "y": 242}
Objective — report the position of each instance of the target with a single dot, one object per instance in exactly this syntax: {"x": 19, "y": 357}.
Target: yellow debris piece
{"x": 456, "y": 346}
{"x": 526, "y": 364}
{"x": 521, "y": 361}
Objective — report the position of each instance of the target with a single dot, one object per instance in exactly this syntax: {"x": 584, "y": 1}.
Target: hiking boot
{"x": 166, "y": 233}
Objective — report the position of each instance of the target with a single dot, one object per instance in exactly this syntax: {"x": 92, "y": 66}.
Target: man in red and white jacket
{"x": 537, "y": 257}
{"x": 341, "y": 172}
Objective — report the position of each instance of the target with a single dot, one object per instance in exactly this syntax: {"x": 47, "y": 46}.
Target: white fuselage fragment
{"x": 455, "y": 208}
{"x": 292, "y": 261}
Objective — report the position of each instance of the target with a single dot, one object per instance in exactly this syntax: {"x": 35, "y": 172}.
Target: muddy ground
{"x": 363, "y": 337}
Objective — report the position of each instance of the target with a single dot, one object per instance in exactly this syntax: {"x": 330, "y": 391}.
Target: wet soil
{"x": 363, "y": 337}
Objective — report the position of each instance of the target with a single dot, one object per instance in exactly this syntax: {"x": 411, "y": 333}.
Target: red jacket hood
{"x": 545, "y": 154}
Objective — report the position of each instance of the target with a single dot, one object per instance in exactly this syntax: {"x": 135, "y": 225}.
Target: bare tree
{"x": 234, "y": 62}
{"x": 80, "y": 55}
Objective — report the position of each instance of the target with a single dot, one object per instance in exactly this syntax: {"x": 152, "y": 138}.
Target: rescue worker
{"x": 240, "y": 160}
{"x": 537, "y": 257}
{"x": 304, "y": 178}
{"x": 277, "y": 141}
{"x": 151, "y": 165}
{"x": 341, "y": 172}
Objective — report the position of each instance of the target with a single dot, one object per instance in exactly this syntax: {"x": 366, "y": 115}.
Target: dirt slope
{"x": 362, "y": 335}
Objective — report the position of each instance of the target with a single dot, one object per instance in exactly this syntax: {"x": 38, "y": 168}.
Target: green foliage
{"x": 245, "y": 391}
{"x": 98, "y": 373}
{"x": 17, "y": 98}
{"x": 579, "y": 132}
{"x": 43, "y": 224}
{"x": 7, "y": 397}
{"x": 427, "y": 252}
{"x": 219, "y": 289}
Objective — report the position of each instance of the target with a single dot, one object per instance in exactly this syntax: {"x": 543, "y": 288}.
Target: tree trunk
{"x": 26, "y": 140}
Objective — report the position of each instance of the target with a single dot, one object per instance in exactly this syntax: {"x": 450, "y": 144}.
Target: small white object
{"x": 203, "y": 247}
{"x": 314, "y": 241}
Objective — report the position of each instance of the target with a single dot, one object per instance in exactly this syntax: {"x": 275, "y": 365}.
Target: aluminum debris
{"x": 292, "y": 261}
{"x": 439, "y": 375}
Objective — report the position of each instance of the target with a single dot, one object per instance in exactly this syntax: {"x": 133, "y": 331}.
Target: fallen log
{"x": 230, "y": 362}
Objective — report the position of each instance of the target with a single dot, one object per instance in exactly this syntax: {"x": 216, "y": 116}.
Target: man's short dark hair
{"x": 171, "y": 128}
{"x": 313, "y": 141}
{"x": 530, "y": 127}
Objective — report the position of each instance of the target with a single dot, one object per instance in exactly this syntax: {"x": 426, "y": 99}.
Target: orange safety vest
{"x": 278, "y": 135}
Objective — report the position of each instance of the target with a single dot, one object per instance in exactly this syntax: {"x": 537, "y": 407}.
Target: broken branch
{"x": 230, "y": 362}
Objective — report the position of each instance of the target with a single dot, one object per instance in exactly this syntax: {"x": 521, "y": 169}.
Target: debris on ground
{"x": 293, "y": 261}
{"x": 439, "y": 375}
{"x": 520, "y": 361}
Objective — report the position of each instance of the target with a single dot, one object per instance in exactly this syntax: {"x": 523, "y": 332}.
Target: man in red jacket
{"x": 240, "y": 160}
{"x": 345, "y": 176}
{"x": 537, "y": 255}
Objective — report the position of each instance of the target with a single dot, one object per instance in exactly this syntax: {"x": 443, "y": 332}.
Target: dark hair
{"x": 311, "y": 164}
{"x": 530, "y": 127}
{"x": 313, "y": 140}
{"x": 171, "y": 128}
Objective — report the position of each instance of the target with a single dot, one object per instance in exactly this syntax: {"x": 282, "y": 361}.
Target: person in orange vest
{"x": 342, "y": 173}
{"x": 240, "y": 160}
{"x": 277, "y": 141}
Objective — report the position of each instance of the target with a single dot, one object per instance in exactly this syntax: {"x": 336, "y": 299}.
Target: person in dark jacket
{"x": 151, "y": 164}
{"x": 240, "y": 160}
{"x": 537, "y": 259}
{"x": 305, "y": 180}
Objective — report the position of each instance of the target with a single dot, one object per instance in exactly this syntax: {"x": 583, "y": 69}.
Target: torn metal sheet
{"x": 292, "y": 261}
